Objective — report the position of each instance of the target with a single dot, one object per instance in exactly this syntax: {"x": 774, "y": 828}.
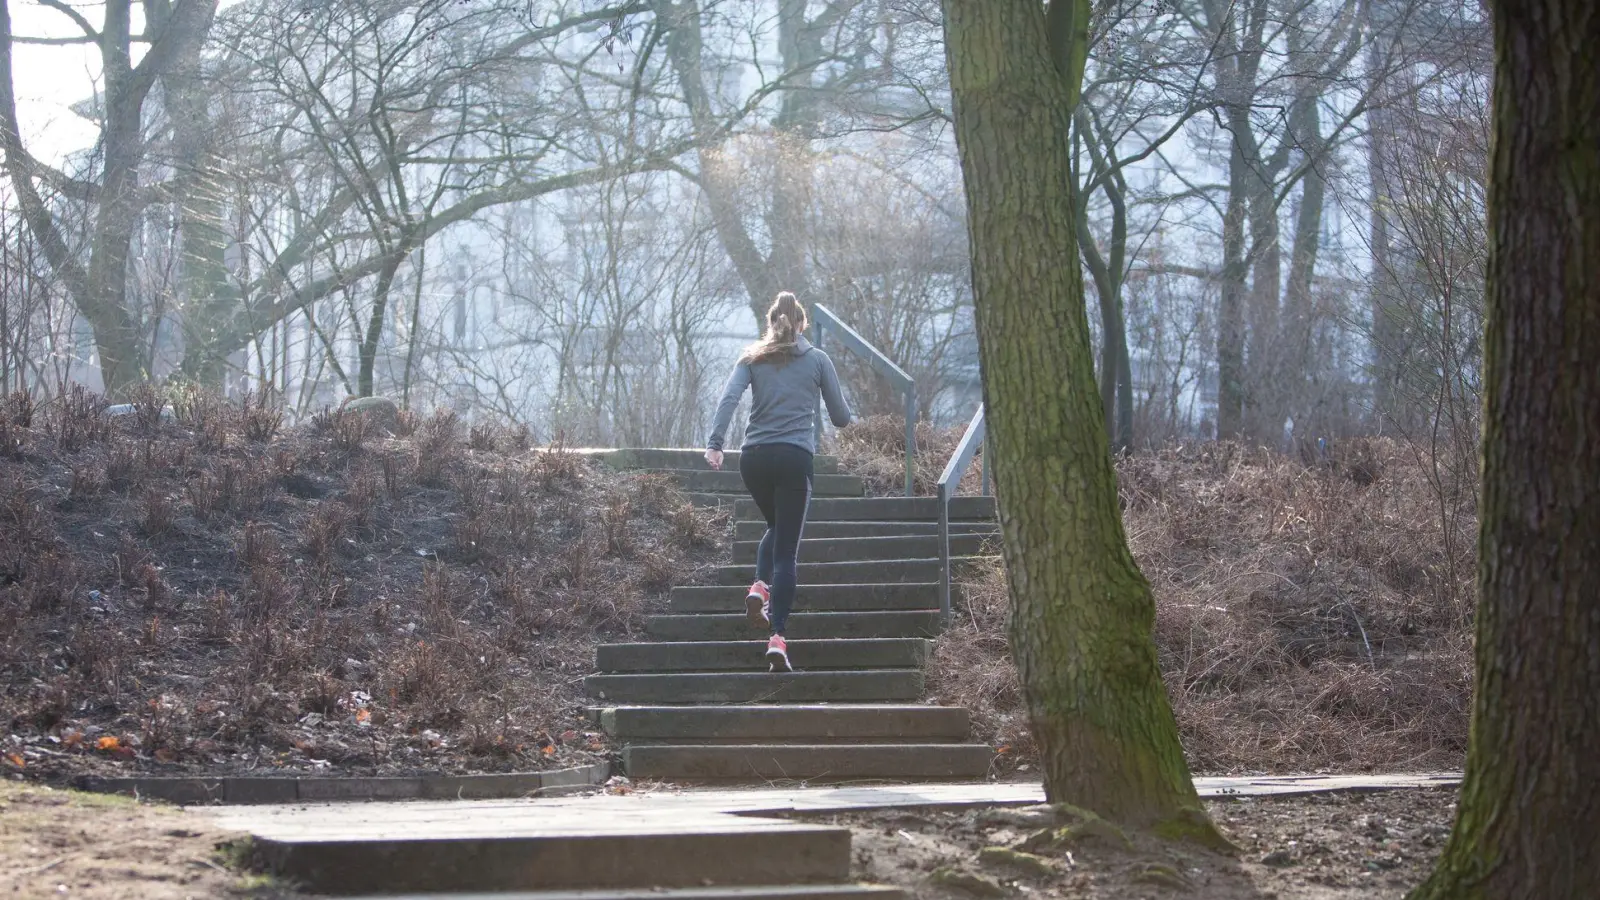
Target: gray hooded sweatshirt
{"x": 784, "y": 407}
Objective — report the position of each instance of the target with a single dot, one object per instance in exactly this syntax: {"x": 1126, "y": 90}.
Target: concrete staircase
{"x": 697, "y": 703}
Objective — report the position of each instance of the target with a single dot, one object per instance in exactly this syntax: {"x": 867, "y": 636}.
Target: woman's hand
{"x": 714, "y": 457}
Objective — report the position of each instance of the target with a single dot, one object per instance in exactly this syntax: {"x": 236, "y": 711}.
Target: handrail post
{"x": 911, "y": 437}
{"x": 983, "y": 464}
{"x": 950, "y": 485}
{"x": 816, "y": 339}
{"x": 944, "y": 553}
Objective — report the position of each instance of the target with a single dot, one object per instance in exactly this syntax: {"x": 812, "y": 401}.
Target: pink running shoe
{"x": 758, "y": 605}
{"x": 778, "y": 654}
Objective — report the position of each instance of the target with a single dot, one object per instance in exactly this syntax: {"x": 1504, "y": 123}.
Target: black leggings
{"x": 778, "y": 477}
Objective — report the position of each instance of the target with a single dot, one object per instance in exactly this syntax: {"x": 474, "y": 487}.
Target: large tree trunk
{"x": 1526, "y": 825}
{"x": 367, "y": 356}
{"x": 1230, "y": 307}
{"x": 1388, "y": 351}
{"x": 1081, "y": 611}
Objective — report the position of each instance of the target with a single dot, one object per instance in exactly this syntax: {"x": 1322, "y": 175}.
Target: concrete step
{"x": 716, "y": 598}
{"x": 807, "y": 762}
{"x": 792, "y": 892}
{"x": 881, "y": 685}
{"x": 753, "y": 530}
{"x": 882, "y": 509}
{"x": 731, "y": 482}
{"x": 889, "y": 571}
{"x": 684, "y": 458}
{"x": 805, "y": 724}
{"x": 598, "y": 855}
{"x": 878, "y": 548}
{"x": 705, "y": 656}
{"x": 802, "y": 626}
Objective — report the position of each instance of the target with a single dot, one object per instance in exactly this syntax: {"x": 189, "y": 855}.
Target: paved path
{"x": 697, "y": 808}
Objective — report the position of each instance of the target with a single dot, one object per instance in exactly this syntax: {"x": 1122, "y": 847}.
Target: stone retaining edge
{"x": 245, "y": 789}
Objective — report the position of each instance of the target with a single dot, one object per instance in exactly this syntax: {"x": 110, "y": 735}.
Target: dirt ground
{"x": 66, "y": 844}
{"x": 57, "y": 843}
{"x": 1320, "y": 847}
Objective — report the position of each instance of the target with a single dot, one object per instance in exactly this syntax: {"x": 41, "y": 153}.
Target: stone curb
{"x": 239, "y": 790}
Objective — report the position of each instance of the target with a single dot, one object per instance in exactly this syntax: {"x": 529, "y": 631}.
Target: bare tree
{"x": 110, "y": 191}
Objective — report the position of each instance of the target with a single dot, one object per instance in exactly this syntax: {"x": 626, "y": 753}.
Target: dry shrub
{"x": 260, "y": 416}
{"x": 324, "y": 531}
{"x": 123, "y": 469}
{"x": 471, "y": 537}
{"x": 692, "y": 526}
{"x": 438, "y": 446}
{"x": 405, "y": 423}
{"x": 519, "y": 438}
{"x": 16, "y": 421}
{"x": 655, "y": 493}
{"x": 77, "y": 419}
{"x": 349, "y": 430}
{"x": 484, "y": 438}
{"x": 556, "y": 465}
{"x": 875, "y": 448}
{"x": 19, "y": 408}
{"x": 148, "y": 400}
{"x": 361, "y": 499}
{"x": 616, "y": 526}
{"x": 1307, "y": 617}
{"x": 159, "y": 514}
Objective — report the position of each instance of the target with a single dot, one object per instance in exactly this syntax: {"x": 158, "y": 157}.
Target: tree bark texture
{"x": 1081, "y": 611}
{"x": 1528, "y": 824}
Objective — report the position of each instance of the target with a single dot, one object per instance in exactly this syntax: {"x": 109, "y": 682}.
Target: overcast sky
{"x": 50, "y": 79}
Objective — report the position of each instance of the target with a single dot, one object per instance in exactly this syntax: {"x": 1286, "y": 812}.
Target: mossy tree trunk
{"x": 1528, "y": 824}
{"x": 1081, "y": 611}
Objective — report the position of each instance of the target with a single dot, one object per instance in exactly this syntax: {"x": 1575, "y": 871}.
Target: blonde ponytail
{"x": 786, "y": 321}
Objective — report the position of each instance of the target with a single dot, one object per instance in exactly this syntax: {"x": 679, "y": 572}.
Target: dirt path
{"x": 67, "y": 844}
{"x": 1371, "y": 846}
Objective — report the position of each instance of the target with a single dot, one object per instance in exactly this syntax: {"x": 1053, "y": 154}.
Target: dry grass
{"x": 218, "y": 593}
{"x": 1309, "y": 616}
{"x": 875, "y": 448}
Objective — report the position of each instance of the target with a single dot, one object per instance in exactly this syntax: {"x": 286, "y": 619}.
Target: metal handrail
{"x": 823, "y": 319}
{"x": 975, "y": 436}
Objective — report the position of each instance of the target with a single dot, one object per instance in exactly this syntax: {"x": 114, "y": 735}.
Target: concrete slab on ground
{"x": 665, "y": 807}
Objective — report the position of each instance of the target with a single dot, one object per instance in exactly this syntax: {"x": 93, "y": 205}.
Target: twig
{"x": 1354, "y": 615}
{"x": 39, "y": 870}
